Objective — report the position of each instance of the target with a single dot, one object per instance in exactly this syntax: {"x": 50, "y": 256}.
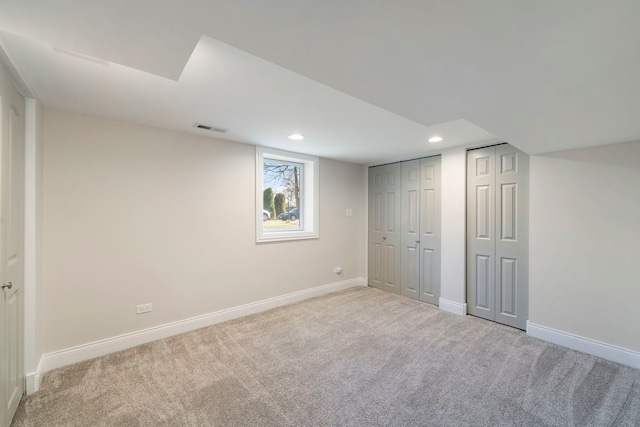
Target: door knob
{"x": 384, "y": 238}
{"x": 8, "y": 285}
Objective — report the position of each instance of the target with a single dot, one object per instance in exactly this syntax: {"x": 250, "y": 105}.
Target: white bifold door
{"x": 498, "y": 234}
{"x": 404, "y": 228}
{"x": 420, "y": 225}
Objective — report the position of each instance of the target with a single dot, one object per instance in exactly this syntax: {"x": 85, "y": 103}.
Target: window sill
{"x": 287, "y": 236}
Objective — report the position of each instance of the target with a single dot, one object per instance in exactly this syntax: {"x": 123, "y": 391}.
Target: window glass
{"x": 286, "y": 195}
{"x": 281, "y": 196}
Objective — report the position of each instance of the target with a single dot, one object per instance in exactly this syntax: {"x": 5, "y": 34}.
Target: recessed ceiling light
{"x": 435, "y": 139}
{"x": 296, "y": 137}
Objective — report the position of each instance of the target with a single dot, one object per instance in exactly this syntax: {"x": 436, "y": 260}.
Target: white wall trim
{"x": 8, "y": 61}
{"x": 34, "y": 379}
{"x": 30, "y": 270}
{"x": 88, "y": 351}
{"x": 585, "y": 345}
{"x": 453, "y": 306}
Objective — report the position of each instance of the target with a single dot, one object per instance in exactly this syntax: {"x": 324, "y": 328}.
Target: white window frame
{"x": 309, "y": 198}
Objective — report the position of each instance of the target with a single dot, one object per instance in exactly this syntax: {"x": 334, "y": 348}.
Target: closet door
{"x": 512, "y": 236}
{"x": 384, "y": 227}
{"x": 497, "y": 234}
{"x": 410, "y": 225}
{"x": 480, "y": 232}
{"x": 420, "y": 210}
{"x": 430, "y": 239}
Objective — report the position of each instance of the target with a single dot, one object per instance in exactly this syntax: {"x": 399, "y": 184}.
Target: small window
{"x": 286, "y": 195}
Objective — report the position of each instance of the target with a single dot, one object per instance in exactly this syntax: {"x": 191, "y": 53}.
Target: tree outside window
{"x": 287, "y": 201}
{"x": 281, "y": 183}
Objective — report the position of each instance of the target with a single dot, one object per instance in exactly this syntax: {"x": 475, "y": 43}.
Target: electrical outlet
{"x": 337, "y": 270}
{"x": 143, "y": 308}
{"x": 349, "y": 212}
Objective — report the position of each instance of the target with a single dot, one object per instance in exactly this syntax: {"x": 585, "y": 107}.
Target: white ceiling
{"x": 365, "y": 80}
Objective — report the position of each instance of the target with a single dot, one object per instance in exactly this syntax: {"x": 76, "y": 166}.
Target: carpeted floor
{"x": 361, "y": 357}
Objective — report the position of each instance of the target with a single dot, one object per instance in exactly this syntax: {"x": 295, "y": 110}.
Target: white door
{"x": 384, "y": 227}
{"x": 497, "y": 234}
{"x": 11, "y": 248}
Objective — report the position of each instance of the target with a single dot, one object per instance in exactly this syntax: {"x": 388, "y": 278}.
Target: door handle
{"x": 7, "y": 286}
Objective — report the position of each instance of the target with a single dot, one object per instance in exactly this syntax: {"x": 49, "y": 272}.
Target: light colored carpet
{"x": 360, "y": 357}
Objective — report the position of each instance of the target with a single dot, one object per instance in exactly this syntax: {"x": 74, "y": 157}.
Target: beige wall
{"x": 135, "y": 215}
{"x": 585, "y": 243}
{"x": 453, "y": 262}
{"x": 138, "y": 215}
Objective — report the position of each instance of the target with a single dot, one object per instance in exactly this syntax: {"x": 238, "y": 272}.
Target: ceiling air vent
{"x": 211, "y": 128}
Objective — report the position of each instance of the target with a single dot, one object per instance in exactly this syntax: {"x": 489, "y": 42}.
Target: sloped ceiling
{"x": 365, "y": 81}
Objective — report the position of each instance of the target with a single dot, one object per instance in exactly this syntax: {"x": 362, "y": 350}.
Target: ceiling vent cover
{"x": 211, "y": 128}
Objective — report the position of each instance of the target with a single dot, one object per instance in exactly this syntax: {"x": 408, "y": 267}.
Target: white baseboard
{"x": 453, "y": 307}
{"x": 585, "y": 345}
{"x": 88, "y": 351}
{"x": 34, "y": 379}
